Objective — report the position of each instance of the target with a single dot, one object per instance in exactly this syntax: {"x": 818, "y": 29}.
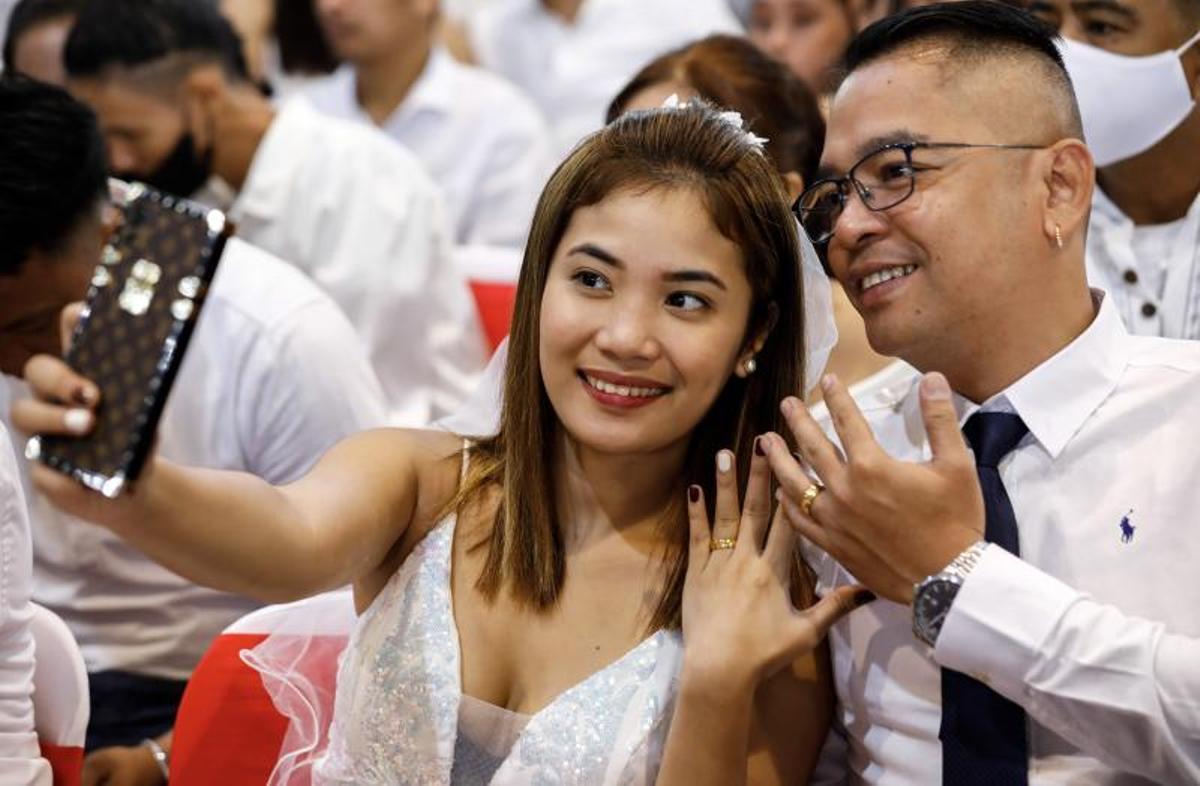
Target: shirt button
{"x": 1131, "y": 276}
{"x": 1149, "y": 310}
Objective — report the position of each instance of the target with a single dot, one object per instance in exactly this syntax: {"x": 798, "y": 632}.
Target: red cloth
{"x": 227, "y": 725}
{"x": 66, "y": 762}
{"x": 494, "y": 300}
{"x": 228, "y": 729}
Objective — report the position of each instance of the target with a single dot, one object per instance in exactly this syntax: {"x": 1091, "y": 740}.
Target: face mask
{"x": 182, "y": 173}
{"x": 1129, "y": 104}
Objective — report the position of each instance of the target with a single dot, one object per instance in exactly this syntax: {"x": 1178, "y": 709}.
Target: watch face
{"x": 932, "y": 603}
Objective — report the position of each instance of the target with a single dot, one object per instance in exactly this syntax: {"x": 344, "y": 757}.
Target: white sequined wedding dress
{"x": 400, "y": 716}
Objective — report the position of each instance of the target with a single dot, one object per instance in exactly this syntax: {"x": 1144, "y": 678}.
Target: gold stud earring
{"x": 751, "y": 365}
{"x": 1058, "y": 235}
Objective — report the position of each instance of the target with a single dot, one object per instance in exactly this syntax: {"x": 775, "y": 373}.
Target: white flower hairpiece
{"x": 756, "y": 142}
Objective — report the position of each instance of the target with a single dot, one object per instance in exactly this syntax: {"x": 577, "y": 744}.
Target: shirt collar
{"x": 432, "y": 93}
{"x": 269, "y": 182}
{"x": 1106, "y": 214}
{"x": 1056, "y": 398}
{"x": 434, "y": 89}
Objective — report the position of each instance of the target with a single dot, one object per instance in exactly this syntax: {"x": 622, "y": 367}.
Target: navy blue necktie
{"x": 983, "y": 733}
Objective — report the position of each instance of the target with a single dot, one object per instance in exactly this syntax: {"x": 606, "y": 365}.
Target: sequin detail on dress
{"x": 396, "y": 711}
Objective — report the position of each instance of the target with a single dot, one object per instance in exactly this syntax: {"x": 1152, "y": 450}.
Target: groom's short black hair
{"x": 970, "y": 25}
{"x": 974, "y": 33}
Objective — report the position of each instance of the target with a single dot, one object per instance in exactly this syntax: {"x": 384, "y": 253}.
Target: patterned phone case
{"x": 141, "y": 310}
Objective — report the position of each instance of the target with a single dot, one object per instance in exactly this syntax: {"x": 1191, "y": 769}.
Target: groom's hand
{"x": 890, "y": 523}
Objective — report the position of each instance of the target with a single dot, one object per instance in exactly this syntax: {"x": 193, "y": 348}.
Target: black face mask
{"x": 182, "y": 173}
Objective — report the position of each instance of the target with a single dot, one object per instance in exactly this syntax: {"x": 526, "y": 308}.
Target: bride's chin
{"x": 603, "y": 440}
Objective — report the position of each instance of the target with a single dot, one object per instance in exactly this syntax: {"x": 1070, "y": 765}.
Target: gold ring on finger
{"x": 810, "y": 496}
{"x": 720, "y": 544}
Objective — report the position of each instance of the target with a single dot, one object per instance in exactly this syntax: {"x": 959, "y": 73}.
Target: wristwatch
{"x": 933, "y": 596}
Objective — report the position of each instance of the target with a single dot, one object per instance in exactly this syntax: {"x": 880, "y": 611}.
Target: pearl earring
{"x": 751, "y": 365}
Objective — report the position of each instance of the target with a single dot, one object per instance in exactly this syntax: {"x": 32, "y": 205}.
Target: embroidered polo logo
{"x": 1127, "y": 528}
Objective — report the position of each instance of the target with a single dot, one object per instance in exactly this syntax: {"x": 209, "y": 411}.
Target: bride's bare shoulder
{"x": 429, "y": 459}
{"x": 402, "y": 468}
{"x": 393, "y": 448}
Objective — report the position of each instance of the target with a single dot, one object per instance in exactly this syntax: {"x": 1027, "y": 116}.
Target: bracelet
{"x": 965, "y": 562}
{"x": 160, "y": 757}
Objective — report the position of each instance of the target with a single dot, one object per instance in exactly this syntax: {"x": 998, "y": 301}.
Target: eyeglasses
{"x": 883, "y": 179}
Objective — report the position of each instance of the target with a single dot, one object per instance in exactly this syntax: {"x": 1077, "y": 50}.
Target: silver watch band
{"x": 965, "y": 562}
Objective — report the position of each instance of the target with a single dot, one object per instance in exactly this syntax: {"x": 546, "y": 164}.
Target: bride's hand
{"x": 739, "y": 623}
{"x": 64, "y": 403}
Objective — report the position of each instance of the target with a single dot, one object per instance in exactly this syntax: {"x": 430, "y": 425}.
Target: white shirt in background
{"x": 573, "y": 71}
{"x": 20, "y": 761}
{"x": 483, "y": 142}
{"x": 6, "y": 7}
{"x": 1096, "y": 636}
{"x": 1152, "y": 272}
{"x": 357, "y": 213}
{"x": 273, "y": 377}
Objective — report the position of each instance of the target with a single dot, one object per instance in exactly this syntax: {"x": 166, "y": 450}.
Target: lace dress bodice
{"x": 399, "y": 702}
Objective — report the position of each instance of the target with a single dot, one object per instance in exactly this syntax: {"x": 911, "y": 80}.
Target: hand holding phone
{"x": 142, "y": 306}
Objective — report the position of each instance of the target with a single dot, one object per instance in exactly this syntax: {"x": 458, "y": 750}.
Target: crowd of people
{"x": 840, "y": 436}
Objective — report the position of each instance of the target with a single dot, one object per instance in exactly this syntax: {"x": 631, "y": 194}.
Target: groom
{"x": 1045, "y": 630}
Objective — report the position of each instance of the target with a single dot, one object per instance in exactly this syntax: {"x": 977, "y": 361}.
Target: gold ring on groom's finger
{"x": 810, "y": 496}
{"x": 720, "y": 544}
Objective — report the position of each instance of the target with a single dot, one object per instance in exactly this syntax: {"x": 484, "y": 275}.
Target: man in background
{"x": 274, "y": 376}
{"x": 1136, "y": 69}
{"x": 483, "y": 141}
{"x": 340, "y": 200}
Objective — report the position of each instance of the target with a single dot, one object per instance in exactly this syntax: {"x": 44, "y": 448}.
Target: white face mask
{"x": 1129, "y": 104}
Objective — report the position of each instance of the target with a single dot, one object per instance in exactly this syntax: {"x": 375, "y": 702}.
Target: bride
{"x": 580, "y": 598}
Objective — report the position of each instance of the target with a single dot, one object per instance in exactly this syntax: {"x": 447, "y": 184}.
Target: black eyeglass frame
{"x": 864, "y": 193}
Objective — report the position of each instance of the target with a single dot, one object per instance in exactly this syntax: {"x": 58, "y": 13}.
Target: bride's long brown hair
{"x": 693, "y": 148}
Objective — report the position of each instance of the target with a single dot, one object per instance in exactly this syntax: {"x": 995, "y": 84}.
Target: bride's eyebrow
{"x": 675, "y": 276}
{"x": 694, "y": 276}
{"x": 599, "y": 254}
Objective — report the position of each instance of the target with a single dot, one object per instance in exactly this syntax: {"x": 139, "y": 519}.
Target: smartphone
{"x": 145, "y": 297}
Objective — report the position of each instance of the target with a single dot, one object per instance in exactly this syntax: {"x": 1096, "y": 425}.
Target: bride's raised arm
{"x": 753, "y": 662}
{"x": 230, "y": 530}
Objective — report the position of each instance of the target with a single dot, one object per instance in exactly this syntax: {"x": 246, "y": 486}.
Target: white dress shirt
{"x": 483, "y": 142}
{"x": 1096, "y": 634}
{"x": 1151, "y": 272}
{"x": 273, "y": 377}
{"x": 356, "y": 211}
{"x": 20, "y": 761}
{"x": 572, "y": 71}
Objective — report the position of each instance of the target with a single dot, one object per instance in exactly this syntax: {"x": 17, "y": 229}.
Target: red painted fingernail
{"x": 694, "y": 493}
{"x": 758, "y": 447}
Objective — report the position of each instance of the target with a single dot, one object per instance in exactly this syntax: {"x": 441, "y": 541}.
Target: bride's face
{"x": 643, "y": 320}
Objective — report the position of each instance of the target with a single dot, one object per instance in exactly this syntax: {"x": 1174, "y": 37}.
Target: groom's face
{"x": 953, "y": 245}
